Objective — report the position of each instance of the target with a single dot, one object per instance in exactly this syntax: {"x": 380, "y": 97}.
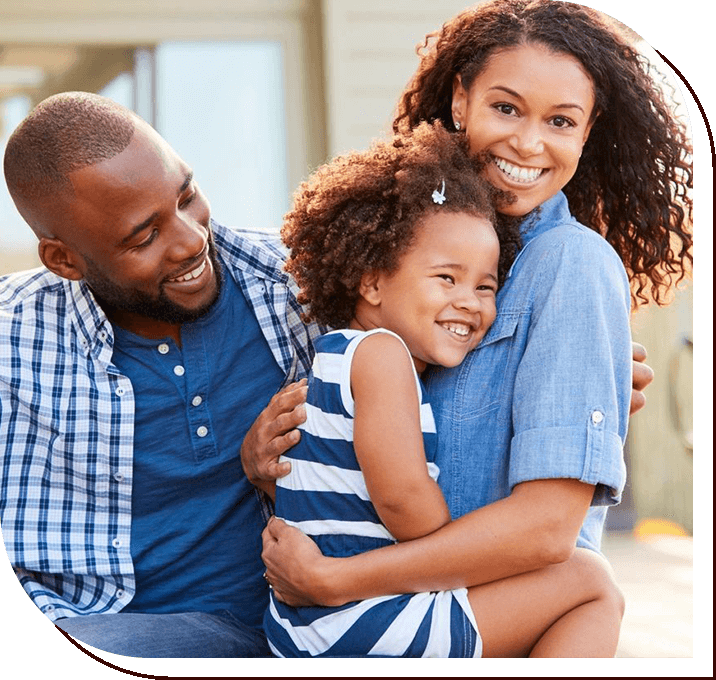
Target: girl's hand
{"x": 641, "y": 377}
{"x": 273, "y": 433}
{"x": 296, "y": 569}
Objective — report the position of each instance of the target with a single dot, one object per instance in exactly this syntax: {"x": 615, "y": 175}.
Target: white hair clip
{"x": 439, "y": 196}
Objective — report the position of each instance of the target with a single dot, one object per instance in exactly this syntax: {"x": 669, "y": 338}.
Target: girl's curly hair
{"x": 633, "y": 181}
{"x": 359, "y": 213}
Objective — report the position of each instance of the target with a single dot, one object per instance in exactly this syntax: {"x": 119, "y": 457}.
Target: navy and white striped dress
{"x": 325, "y": 496}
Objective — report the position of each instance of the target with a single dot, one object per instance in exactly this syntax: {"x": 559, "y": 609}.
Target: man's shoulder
{"x": 257, "y": 252}
{"x": 20, "y": 288}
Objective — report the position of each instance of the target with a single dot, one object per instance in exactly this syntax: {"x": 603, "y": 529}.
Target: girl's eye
{"x": 447, "y": 277}
{"x": 489, "y": 288}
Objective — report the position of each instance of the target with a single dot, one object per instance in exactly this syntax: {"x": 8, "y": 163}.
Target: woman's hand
{"x": 273, "y": 433}
{"x": 641, "y": 377}
{"x": 296, "y": 569}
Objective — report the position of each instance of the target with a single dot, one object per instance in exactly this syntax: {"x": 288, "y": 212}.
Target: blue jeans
{"x": 186, "y": 635}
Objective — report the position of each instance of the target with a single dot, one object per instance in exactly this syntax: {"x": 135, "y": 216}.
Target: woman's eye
{"x": 507, "y": 109}
{"x": 562, "y": 122}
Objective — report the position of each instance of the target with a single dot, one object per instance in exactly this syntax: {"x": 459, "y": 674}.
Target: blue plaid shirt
{"x": 67, "y": 419}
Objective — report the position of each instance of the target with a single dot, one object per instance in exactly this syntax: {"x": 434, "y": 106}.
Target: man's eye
{"x": 147, "y": 241}
{"x": 187, "y": 200}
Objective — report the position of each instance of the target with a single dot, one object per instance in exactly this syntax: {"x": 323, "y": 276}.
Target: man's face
{"x": 140, "y": 226}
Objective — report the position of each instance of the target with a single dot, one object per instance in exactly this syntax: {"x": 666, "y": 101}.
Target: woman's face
{"x": 531, "y": 109}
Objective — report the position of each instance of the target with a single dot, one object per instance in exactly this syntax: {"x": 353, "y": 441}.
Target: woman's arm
{"x": 535, "y": 526}
{"x": 388, "y": 440}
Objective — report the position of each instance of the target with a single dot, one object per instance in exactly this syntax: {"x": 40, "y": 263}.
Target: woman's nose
{"x": 527, "y": 140}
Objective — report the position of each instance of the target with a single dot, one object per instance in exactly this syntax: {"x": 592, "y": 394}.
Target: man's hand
{"x": 273, "y": 433}
{"x": 642, "y": 375}
{"x": 295, "y": 567}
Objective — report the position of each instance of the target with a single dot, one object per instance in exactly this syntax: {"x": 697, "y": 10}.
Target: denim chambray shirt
{"x": 546, "y": 393}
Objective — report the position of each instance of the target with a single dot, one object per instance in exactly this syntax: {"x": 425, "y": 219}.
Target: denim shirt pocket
{"x": 484, "y": 382}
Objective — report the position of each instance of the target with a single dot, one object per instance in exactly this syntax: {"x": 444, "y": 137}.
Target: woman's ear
{"x": 459, "y": 102}
{"x": 369, "y": 288}
{"x": 60, "y": 259}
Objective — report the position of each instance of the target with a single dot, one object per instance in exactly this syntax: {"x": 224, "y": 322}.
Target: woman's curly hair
{"x": 634, "y": 178}
{"x": 359, "y": 213}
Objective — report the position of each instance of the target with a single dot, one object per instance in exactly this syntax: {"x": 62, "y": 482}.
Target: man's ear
{"x": 60, "y": 259}
{"x": 369, "y": 288}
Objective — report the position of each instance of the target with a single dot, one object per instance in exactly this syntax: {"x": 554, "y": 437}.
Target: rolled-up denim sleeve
{"x": 573, "y": 384}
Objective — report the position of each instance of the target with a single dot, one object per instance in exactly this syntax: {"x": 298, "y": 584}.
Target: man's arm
{"x": 535, "y": 526}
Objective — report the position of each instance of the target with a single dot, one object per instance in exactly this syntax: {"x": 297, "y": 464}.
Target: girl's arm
{"x": 388, "y": 439}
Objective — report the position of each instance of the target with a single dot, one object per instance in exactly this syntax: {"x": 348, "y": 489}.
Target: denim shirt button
{"x": 597, "y": 417}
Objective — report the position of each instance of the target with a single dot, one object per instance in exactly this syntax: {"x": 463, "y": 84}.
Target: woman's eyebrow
{"x": 517, "y": 95}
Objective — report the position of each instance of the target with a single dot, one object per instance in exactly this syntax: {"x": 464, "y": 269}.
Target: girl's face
{"x": 531, "y": 109}
{"x": 441, "y": 299}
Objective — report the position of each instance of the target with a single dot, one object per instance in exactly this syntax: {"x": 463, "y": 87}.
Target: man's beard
{"x": 112, "y": 296}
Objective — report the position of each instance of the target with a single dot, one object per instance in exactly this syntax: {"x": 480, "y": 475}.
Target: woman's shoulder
{"x": 570, "y": 244}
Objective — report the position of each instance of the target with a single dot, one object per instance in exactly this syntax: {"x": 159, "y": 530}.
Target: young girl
{"x": 396, "y": 246}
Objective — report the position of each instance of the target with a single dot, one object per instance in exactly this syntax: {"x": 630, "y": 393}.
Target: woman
{"x": 532, "y": 424}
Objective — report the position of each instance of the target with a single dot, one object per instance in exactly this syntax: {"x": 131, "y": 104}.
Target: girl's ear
{"x": 369, "y": 288}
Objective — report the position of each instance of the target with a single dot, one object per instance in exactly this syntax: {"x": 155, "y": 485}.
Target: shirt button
{"x": 49, "y": 608}
{"x": 119, "y": 594}
{"x": 118, "y": 477}
{"x": 179, "y": 370}
{"x": 196, "y": 401}
{"x": 202, "y": 431}
{"x": 116, "y": 543}
{"x": 597, "y": 417}
{"x": 103, "y": 335}
{"x": 119, "y": 391}
{"x": 163, "y": 348}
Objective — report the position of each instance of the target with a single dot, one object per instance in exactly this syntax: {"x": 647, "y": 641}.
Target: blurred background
{"x": 254, "y": 94}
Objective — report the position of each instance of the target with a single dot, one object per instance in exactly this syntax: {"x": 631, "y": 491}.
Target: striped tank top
{"x": 326, "y": 497}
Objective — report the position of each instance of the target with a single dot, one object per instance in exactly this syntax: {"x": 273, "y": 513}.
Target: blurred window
{"x": 221, "y": 106}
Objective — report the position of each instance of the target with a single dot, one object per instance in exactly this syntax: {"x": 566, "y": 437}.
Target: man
{"x": 131, "y": 368}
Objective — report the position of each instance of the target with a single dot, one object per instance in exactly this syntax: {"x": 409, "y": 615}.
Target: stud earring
{"x": 457, "y": 125}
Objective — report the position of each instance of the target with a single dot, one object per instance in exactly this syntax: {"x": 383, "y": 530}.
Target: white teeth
{"x": 517, "y": 174}
{"x": 192, "y": 274}
{"x": 459, "y": 329}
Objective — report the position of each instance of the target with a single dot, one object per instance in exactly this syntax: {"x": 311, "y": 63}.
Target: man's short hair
{"x": 64, "y": 133}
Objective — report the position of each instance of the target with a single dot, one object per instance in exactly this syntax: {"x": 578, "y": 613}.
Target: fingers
{"x": 642, "y": 375}
{"x": 274, "y": 527}
{"x": 286, "y": 409}
{"x": 638, "y": 401}
{"x": 638, "y": 352}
